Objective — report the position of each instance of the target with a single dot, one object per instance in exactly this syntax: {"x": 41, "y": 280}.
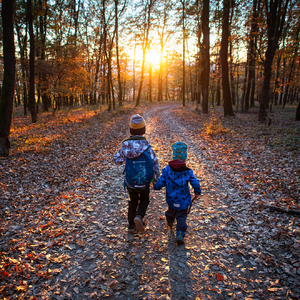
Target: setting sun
{"x": 153, "y": 57}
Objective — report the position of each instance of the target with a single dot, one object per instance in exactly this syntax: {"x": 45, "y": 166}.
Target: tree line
{"x": 80, "y": 52}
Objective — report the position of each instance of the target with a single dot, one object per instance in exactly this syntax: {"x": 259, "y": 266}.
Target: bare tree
{"x": 31, "y": 64}
{"x": 224, "y": 60}
{"x": 205, "y": 56}
{"x": 252, "y": 56}
{"x": 183, "y": 4}
{"x": 145, "y": 44}
{"x": 275, "y": 13}
{"x": 164, "y": 36}
{"x": 292, "y": 68}
{"x": 117, "y": 16}
{"x": 8, "y": 85}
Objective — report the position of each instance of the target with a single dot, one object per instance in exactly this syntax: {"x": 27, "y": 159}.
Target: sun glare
{"x": 153, "y": 57}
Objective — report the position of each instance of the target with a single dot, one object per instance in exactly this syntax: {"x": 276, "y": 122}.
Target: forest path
{"x": 221, "y": 258}
{"x": 82, "y": 250}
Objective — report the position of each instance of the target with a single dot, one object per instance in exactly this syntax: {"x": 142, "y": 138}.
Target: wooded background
{"x": 230, "y": 53}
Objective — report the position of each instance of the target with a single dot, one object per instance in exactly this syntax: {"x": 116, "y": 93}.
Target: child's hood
{"x": 177, "y": 172}
{"x": 178, "y": 165}
{"x": 134, "y": 146}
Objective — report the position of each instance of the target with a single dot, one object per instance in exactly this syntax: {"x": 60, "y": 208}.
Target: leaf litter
{"x": 64, "y": 210}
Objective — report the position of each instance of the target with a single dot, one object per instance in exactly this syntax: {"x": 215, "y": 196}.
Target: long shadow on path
{"x": 179, "y": 270}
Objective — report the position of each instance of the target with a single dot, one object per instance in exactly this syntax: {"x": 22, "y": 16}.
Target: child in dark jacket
{"x": 176, "y": 177}
{"x": 133, "y": 148}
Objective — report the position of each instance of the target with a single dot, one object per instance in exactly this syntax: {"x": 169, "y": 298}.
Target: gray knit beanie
{"x": 137, "y": 125}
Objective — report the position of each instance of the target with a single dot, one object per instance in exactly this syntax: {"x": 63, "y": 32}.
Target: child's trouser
{"x": 138, "y": 203}
{"x": 179, "y": 215}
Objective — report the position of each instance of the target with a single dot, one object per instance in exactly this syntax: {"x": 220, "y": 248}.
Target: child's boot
{"x": 131, "y": 228}
{"x": 139, "y": 225}
{"x": 180, "y": 237}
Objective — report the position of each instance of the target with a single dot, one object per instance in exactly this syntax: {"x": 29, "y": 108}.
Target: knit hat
{"x": 137, "y": 125}
{"x": 179, "y": 151}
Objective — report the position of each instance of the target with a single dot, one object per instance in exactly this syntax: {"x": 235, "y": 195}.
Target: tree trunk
{"x": 145, "y": 46}
{"x": 160, "y": 80}
{"x": 76, "y": 17}
{"x": 167, "y": 83}
{"x": 191, "y": 82}
{"x": 124, "y": 91}
{"x": 297, "y": 118}
{"x": 98, "y": 59}
{"x": 218, "y": 95}
{"x": 264, "y": 98}
{"x": 23, "y": 68}
{"x": 183, "y": 52}
{"x": 252, "y": 92}
{"x": 112, "y": 92}
{"x": 198, "y": 56}
{"x": 137, "y": 103}
{"x": 22, "y": 46}
{"x": 237, "y": 86}
{"x": 277, "y": 79}
{"x": 251, "y": 66}
{"x": 289, "y": 79}
{"x": 108, "y": 89}
{"x": 117, "y": 52}
{"x": 205, "y": 56}
{"x": 43, "y": 28}
{"x": 31, "y": 65}
{"x": 293, "y": 95}
{"x": 224, "y": 60}
{"x": 8, "y": 85}
{"x": 231, "y": 73}
{"x": 150, "y": 83}
{"x": 276, "y": 11}
{"x": 133, "y": 98}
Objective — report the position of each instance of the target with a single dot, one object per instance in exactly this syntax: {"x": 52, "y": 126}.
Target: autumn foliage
{"x": 63, "y": 208}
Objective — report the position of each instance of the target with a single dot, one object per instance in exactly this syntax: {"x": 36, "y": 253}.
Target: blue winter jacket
{"x": 177, "y": 185}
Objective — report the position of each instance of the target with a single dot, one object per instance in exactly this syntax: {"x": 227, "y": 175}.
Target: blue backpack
{"x": 139, "y": 171}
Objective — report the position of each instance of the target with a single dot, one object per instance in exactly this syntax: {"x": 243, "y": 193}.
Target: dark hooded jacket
{"x": 176, "y": 178}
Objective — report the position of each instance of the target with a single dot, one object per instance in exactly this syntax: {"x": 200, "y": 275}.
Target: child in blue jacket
{"x": 176, "y": 178}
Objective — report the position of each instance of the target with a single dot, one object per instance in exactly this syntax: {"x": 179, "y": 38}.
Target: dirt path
{"x": 220, "y": 260}
{"x": 226, "y": 255}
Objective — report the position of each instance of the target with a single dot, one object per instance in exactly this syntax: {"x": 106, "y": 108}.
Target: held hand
{"x": 153, "y": 182}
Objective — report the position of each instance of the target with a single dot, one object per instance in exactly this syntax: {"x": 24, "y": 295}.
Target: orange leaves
{"x": 86, "y": 227}
{"x": 31, "y": 256}
{"x": 45, "y": 225}
{"x": 21, "y": 288}
{"x": 219, "y": 277}
{"x": 4, "y": 274}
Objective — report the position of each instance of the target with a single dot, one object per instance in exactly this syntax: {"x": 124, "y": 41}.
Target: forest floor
{"x": 63, "y": 209}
